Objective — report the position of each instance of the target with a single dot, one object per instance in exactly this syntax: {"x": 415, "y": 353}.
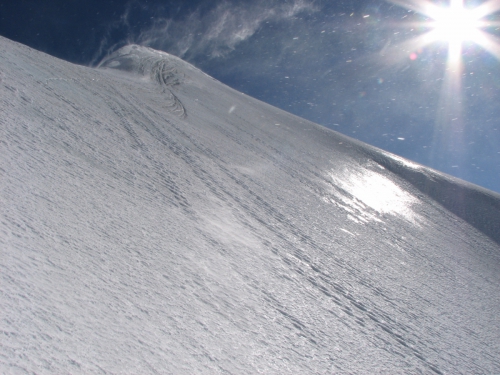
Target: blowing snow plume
{"x": 234, "y": 238}
{"x": 211, "y": 31}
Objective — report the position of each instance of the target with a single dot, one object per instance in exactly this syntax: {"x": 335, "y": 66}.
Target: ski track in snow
{"x": 155, "y": 221}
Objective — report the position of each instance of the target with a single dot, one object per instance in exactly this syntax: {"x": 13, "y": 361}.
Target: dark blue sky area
{"x": 345, "y": 65}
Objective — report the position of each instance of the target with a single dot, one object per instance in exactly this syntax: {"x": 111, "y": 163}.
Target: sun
{"x": 455, "y": 25}
{"x": 459, "y": 28}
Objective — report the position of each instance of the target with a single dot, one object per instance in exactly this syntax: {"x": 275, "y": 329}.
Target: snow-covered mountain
{"x": 154, "y": 220}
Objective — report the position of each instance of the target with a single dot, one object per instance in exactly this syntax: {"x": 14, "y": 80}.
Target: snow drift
{"x": 154, "y": 220}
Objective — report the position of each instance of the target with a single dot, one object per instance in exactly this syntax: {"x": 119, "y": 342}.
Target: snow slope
{"x": 154, "y": 220}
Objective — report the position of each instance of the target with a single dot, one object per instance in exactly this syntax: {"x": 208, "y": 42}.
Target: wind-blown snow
{"x": 154, "y": 220}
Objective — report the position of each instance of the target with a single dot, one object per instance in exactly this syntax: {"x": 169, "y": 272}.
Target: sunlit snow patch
{"x": 370, "y": 188}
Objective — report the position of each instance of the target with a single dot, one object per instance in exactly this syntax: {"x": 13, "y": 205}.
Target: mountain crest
{"x": 159, "y": 66}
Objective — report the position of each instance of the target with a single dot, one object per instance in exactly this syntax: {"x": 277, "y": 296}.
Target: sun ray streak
{"x": 420, "y": 6}
{"x": 449, "y": 124}
{"x": 400, "y": 51}
{"x": 489, "y": 43}
{"x": 486, "y": 9}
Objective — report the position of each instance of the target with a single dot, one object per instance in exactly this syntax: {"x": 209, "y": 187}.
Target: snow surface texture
{"x": 154, "y": 220}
